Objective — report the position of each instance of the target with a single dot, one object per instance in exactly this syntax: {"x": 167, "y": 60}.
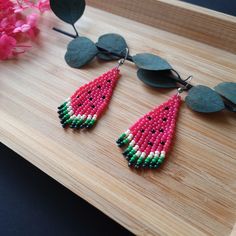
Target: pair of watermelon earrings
{"x": 147, "y": 141}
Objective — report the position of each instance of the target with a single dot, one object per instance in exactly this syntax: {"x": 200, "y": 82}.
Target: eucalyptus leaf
{"x": 149, "y": 61}
{"x": 80, "y": 51}
{"x": 114, "y": 43}
{"x": 203, "y": 99}
{"x": 227, "y": 90}
{"x": 68, "y": 11}
{"x": 157, "y": 79}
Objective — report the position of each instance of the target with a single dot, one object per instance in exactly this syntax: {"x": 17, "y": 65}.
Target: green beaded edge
{"x": 135, "y": 157}
{"x": 76, "y": 122}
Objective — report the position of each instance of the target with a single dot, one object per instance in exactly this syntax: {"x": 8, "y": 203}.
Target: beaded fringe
{"x": 150, "y": 137}
{"x": 83, "y": 108}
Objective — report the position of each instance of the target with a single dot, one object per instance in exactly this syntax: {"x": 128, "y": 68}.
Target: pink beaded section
{"x": 82, "y": 109}
{"x": 150, "y": 137}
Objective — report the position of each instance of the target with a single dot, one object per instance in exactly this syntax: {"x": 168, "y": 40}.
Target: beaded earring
{"x": 85, "y": 106}
{"x": 150, "y": 137}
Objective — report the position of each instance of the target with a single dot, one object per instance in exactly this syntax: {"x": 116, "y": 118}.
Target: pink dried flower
{"x": 7, "y": 45}
{"x": 43, "y": 5}
{"x": 32, "y": 20}
{"x": 15, "y": 27}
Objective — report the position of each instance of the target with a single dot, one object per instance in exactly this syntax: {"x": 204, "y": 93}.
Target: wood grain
{"x": 198, "y": 23}
{"x": 193, "y": 193}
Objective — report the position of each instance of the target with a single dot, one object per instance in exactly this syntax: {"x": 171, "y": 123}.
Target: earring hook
{"x": 122, "y": 60}
{"x": 185, "y": 87}
{"x": 189, "y": 79}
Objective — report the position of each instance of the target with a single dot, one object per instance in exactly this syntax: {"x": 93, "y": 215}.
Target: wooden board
{"x": 198, "y": 23}
{"x": 193, "y": 193}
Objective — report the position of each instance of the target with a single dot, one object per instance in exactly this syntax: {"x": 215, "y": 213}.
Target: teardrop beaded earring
{"x": 85, "y": 106}
{"x": 150, "y": 137}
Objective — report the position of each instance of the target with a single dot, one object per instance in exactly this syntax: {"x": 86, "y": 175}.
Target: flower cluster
{"x": 16, "y": 27}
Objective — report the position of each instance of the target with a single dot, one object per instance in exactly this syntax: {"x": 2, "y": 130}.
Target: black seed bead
{"x": 63, "y": 121}
{"x": 166, "y": 108}
{"x": 142, "y": 130}
{"x": 162, "y": 143}
{"x": 120, "y": 144}
{"x": 103, "y": 97}
{"x": 125, "y": 152}
{"x": 130, "y": 164}
{"x": 128, "y": 158}
{"x": 82, "y": 126}
{"x": 93, "y": 106}
{"x": 153, "y": 131}
{"x": 79, "y": 105}
{"x": 75, "y": 126}
{"x": 99, "y": 86}
{"x": 119, "y": 140}
{"x": 59, "y": 111}
{"x": 91, "y": 99}
{"x": 77, "y": 96}
{"x": 88, "y": 126}
{"x": 108, "y": 80}
{"x": 61, "y": 115}
{"x": 64, "y": 125}
{"x": 89, "y": 91}
{"x": 164, "y": 119}
{"x": 129, "y": 155}
{"x": 150, "y": 143}
{"x": 157, "y": 165}
{"x": 161, "y": 130}
{"x": 149, "y": 117}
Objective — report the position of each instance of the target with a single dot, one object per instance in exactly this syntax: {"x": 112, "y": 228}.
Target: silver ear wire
{"x": 188, "y": 80}
{"x": 186, "y": 86}
{"x": 122, "y": 60}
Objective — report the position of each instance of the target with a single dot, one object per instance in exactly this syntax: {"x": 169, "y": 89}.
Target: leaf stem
{"x": 64, "y": 32}
{"x": 76, "y": 32}
{"x": 105, "y": 51}
{"x": 179, "y": 80}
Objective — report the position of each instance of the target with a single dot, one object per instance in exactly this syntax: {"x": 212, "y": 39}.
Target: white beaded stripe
{"x": 138, "y": 153}
{"x": 143, "y": 155}
{"x": 127, "y": 132}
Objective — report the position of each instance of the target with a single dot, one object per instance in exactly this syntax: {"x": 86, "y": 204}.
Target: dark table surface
{"x": 225, "y": 6}
{"x": 32, "y": 203}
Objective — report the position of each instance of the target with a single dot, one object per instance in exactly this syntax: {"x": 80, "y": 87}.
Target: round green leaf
{"x": 227, "y": 90}
{"x": 68, "y": 10}
{"x": 157, "y": 79}
{"x": 113, "y": 43}
{"x": 149, "y": 61}
{"x": 203, "y": 99}
{"x": 80, "y": 51}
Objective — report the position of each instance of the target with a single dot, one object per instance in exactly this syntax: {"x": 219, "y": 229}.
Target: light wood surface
{"x": 198, "y": 23}
{"x": 194, "y": 193}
